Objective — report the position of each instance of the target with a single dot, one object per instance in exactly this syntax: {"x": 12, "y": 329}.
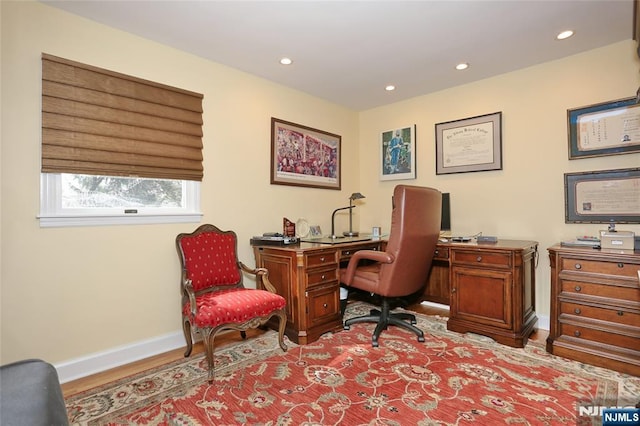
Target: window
{"x": 77, "y": 200}
{"x": 117, "y": 148}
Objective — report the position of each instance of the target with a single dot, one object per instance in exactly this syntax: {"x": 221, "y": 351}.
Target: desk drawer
{"x": 613, "y": 337}
{"x": 583, "y": 288}
{"x": 441, "y": 253}
{"x": 322, "y": 276}
{"x": 345, "y": 254}
{"x": 599, "y": 267}
{"x": 320, "y": 259}
{"x": 482, "y": 258}
{"x": 613, "y": 315}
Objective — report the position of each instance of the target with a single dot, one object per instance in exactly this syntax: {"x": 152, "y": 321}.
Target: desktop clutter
{"x": 609, "y": 239}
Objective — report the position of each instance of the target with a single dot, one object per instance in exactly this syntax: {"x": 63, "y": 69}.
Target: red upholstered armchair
{"x": 213, "y": 295}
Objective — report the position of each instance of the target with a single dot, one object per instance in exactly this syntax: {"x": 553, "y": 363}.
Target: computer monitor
{"x": 445, "y": 222}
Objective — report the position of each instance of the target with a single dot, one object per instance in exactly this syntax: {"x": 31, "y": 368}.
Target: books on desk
{"x": 580, "y": 242}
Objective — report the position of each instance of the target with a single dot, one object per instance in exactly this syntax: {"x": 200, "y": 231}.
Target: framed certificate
{"x": 469, "y": 145}
{"x": 608, "y": 128}
{"x": 603, "y": 196}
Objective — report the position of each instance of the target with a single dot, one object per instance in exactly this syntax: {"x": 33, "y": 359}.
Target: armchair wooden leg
{"x": 186, "y": 329}
{"x": 281, "y": 328}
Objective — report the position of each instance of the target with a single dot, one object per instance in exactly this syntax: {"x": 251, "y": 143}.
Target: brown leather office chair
{"x": 213, "y": 295}
{"x": 402, "y": 269}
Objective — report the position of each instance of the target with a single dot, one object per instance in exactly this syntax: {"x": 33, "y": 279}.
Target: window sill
{"x": 138, "y": 219}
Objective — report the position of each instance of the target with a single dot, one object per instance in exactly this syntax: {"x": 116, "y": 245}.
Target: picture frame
{"x": 398, "y": 153}
{"x": 603, "y": 196}
{"x": 469, "y": 145}
{"x": 607, "y": 128}
{"x": 315, "y": 231}
{"x": 304, "y": 156}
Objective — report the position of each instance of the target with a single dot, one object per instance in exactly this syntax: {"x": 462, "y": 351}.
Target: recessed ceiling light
{"x": 390, "y": 88}
{"x": 286, "y": 61}
{"x": 564, "y": 34}
{"x": 462, "y": 66}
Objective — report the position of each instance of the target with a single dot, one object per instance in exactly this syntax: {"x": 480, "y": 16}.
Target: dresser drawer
{"x": 608, "y": 337}
{"x": 582, "y": 288}
{"x": 482, "y": 258}
{"x": 618, "y": 316}
{"x": 441, "y": 253}
{"x": 312, "y": 260}
{"x": 322, "y": 276}
{"x": 600, "y": 267}
{"x": 345, "y": 254}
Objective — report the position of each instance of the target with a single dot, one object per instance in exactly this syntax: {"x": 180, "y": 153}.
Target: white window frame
{"x": 52, "y": 214}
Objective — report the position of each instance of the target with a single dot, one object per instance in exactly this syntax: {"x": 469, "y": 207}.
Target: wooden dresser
{"x": 595, "y": 307}
{"x": 307, "y": 276}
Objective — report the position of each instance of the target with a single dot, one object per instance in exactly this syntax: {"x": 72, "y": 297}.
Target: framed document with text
{"x": 603, "y": 196}
{"x": 469, "y": 145}
{"x": 608, "y": 128}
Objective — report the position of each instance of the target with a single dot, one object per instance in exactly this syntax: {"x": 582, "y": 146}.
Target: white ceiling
{"x": 348, "y": 51}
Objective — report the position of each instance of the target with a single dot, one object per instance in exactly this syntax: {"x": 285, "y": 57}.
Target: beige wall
{"x": 525, "y": 200}
{"x": 68, "y": 293}
{"x": 71, "y": 292}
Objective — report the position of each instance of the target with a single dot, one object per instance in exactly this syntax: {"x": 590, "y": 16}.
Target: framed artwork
{"x": 603, "y": 196}
{"x": 398, "y": 153}
{"x": 303, "y": 156}
{"x": 608, "y": 128}
{"x": 469, "y": 145}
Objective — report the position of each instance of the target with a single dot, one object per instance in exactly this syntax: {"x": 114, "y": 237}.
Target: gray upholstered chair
{"x": 402, "y": 269}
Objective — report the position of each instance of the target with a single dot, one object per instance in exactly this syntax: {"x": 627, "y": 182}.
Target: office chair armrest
{"x": 260, "y": 274}
{"x": 376, "y": 256}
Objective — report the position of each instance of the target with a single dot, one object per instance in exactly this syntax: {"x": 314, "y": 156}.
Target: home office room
{"x": 88, "y": 298}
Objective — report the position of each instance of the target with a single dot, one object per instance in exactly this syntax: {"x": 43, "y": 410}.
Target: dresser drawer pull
{"x": 322, "y": 259}
{"x": 578, "y": 288}
{"x": 578, "y": 266}
{"x": 324, "y": 306}
{"x": 479, "y": 258}
{"x": 577, "y": 311}
{"x": 577, "y": 333}
{"x": 437, "y": 252}
{"x": 323, "y": 277}
{"x": 620, "y": 313}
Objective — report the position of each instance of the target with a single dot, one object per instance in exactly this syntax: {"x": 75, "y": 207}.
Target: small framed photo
{"x": 603, "y": 196}
{"x": 608, "y": 128}
{"x": 304, "y": 156}
{"x": 398, "y": 153}
{"x": 315, "y": 231}
{"x": 469, "y": 145}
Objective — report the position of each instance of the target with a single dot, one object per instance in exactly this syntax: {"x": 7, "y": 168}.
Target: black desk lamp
{"x": 354, "y": 196}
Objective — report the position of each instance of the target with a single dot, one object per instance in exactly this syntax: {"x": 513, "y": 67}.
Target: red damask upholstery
{"x": 213, "y": 295}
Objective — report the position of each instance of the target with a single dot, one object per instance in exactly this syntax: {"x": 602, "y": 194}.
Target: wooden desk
{"x": 307, "y": 276}
{"x": 490, "y": 288}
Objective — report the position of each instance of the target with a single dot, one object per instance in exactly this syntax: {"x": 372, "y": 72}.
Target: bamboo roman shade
{"x": 100, "y": 122}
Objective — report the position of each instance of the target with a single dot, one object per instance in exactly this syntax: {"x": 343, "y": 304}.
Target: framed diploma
{"x": 608, "y": 128}
{"x": 469, "y": 145}
{"x": 603, "y": 196}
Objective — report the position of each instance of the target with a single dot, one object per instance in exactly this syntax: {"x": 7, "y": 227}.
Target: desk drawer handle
{"x": 479, "y": 258}
{"x": 437, "y": 252}
{"x": 620, "y": 265}
{"x": 577, "y": 311}
{"x": 578, "y": 288}
{"x": 322, "y": 259}
{"x": 577, "y": 333}
{"x": 322, "y": 278}
{"x": 620, "y": 313}
{"x": 347, "y": 253}
{"x": 578, "y": 266}
{"x": 324, "y": 306}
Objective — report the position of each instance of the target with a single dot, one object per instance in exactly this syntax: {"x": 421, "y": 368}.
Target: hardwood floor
{"x": 85, "y": 383}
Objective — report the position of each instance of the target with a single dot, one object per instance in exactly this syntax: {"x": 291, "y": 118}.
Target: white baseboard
{"x": 115, "y": 357}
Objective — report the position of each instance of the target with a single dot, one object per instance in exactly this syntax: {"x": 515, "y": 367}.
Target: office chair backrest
{"x": 415, "y": 227}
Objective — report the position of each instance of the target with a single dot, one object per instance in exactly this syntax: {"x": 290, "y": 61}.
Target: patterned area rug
{"x": 450, "y": 379}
